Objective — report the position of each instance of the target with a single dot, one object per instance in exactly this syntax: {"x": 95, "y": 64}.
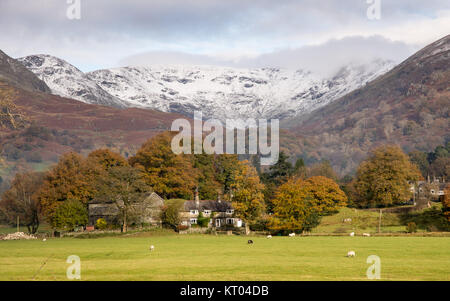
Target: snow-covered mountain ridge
{"x": 219, "y": 92}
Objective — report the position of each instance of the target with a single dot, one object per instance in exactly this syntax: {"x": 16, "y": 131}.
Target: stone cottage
{"x": 148, "y": 211}
{"x": 221, "y": 213}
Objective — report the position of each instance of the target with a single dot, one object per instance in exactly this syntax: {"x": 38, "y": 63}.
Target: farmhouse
{"x": 221, "y": 213}
{"x": 147, "y": 211}
{"x": 429, "y": 189}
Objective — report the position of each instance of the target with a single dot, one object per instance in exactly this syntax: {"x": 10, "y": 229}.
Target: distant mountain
{"x": 408, "y": 106}
{"x": 67, "y": 81}
{"x": 16, "y": 74}
{"x": 222, "y": 93}
{"x": 218, "y": 92}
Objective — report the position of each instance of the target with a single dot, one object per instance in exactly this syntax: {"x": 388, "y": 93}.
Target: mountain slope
{"x": 218, "y": 92}
{"x": 56, "y": 125}
{"x": 16, "y": 74}
{"x": 67, "y": 81}
{"x": 408, "y": 106}
{"x": 222, "y": 93}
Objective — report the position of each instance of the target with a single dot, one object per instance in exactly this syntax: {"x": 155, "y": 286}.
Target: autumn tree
{"x": 247, "y": 191}
{"x": 73, "y": 178}
{"x": 299, "y": 204}
{"x": 170, "y": 175}
{"x": 107, "y": 159}
{"x": 125, "y": 186}
{"x": 21, "y": 200}
{"x": 382, "y": 179}
{"x": 10, "y": 115}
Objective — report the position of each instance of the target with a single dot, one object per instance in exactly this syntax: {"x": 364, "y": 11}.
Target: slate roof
{"x": 103, "y": 209}
{"x": 216, "y": 206}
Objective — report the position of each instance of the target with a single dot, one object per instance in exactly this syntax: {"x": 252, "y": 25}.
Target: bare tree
{"x": 21, "y": 201}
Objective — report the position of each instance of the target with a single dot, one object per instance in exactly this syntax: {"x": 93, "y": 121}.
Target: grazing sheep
{"x": 250, "y": 242}
{"x": 366, "y": 234}
{"x": 152, "y": 247}
{"x": 45, "y": 239}
{"x": 351, "y": 254}
{"x": 352, "y": 234}
{"x": 291, "y": 234}
{"x": 269, "y": 236}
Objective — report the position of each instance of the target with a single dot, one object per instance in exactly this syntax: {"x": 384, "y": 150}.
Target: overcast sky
{"x": 246, "y": 33}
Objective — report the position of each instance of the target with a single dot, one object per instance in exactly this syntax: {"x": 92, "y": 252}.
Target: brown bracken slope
{"x": 408, "y": 106}
{"x": 50, "y": 125}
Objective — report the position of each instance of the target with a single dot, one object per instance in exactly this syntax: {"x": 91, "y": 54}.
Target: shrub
{"x": 411, "y": 227}
{"x": 261, "y": 224}
{"x": 70, "y": 214}
{"x": 202, "y": 221}
{"x": 170, "y": 215}
{"x": 101, "y": 224}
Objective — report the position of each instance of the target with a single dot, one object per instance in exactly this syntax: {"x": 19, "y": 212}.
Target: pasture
{"x": 207, "y": 257}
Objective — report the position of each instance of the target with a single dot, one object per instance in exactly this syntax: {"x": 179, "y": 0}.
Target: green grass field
{"x": 207, "y": 257}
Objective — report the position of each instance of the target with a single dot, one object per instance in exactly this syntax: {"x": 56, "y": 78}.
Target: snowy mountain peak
{"x": 219, "y": 92}
{"x": 66, "y": 80}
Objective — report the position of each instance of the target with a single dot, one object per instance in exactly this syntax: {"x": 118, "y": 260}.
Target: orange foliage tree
{"x": 247, "y": 193}
{"x": 382, "y": 180}
{"x": 73, "y": 178}
{"x": 299, "y": 204}
{"x": 107, "y": 159}
{"x": 170, "y": 175}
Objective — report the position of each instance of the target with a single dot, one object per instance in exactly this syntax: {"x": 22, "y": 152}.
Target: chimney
{"x": 218, "y": 196}
{"x": 196, "y": 198}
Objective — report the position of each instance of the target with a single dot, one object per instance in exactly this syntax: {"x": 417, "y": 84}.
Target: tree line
{"x": 283, "y": 197}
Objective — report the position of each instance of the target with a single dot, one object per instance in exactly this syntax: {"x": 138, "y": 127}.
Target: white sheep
{"x": 45, "y": 239}
{"x": 152, "y": 247}
{"x": 291, "y": 234}
{"x": 352, "y": 234}
{"x": 366, "y": 234}
{"x": 351, "y": 254}
{"x": 269, "y": 236}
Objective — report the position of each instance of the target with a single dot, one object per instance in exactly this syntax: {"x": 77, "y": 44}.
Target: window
{"x": 207, "y": 212}
{"x": 218, "y": 223}
{"x": 230, "y": 211}
{"x": 432, "y": 191}
{"x": 230, "y": 221}
{"x": 193, "y": 221}
{"x": 194, "y": 211}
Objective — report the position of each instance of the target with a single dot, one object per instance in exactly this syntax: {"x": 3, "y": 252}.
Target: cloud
{"x": 111, "y": 31}
{"x": 328, "y": 57}
{"x": 324, "y": 59}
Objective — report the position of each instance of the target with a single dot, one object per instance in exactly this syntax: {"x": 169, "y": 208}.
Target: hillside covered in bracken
{"x": 36, "y": 128}
{"x": 408, "y": 106}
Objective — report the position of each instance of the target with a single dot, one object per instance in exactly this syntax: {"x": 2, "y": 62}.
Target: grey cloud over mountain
{"x": 213, "y": 31}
